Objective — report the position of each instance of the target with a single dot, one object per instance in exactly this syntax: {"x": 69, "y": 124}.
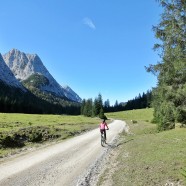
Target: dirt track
{"x": 72, "y": 162}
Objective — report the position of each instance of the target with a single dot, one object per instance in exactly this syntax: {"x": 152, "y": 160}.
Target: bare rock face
{"x": 7, "y": 77}
{"x": 25, "y": 65}
{"x": 70, "y": 94}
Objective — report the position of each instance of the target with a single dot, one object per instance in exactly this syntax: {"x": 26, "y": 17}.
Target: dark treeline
{"x": 92, "y": 108}
{"x": 13, "y": 100}
{"x": 139, "y": 102}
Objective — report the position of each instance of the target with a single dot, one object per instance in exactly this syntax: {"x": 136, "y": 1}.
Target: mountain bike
{"x": 103, "y": 140}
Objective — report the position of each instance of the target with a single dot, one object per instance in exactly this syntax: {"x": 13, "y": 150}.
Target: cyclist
{"x": 103, "y": 125}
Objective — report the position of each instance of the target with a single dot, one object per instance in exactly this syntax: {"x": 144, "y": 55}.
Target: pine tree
{"x": 107, "y": 104}
{"x": 89, "y": 107}
{"x": 169, "y": 97}
{"x": 98, "y": 105}
{"x": 83, "y": 106}
{"x": 101, "y": 114}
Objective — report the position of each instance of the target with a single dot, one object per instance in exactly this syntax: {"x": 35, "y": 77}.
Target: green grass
{"x": 140, "y": 115}
{"x": 9, "y": 122}
{"x": 146, "y": 157}
{"x": 22, "y": 120}
{"x": 39, "y": 128}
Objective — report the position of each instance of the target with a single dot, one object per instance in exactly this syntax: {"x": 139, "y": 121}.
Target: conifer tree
{"x": 98, "y": 105}
{"x": 169, "y": 97}
{"x": 89, "y": 108}
{"x": 83, "y": 106}
{"x": 106, "y": 106}
{"x": 101, "y": 114}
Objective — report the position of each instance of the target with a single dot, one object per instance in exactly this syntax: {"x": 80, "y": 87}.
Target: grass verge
{"x": 146, "y": 157}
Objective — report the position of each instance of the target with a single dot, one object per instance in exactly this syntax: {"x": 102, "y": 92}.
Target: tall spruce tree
{"x": 169, "y": 97}
{"x": 83, "y": 106}
{"x": 98, "y": 105}
{"x": 89, "y": 108}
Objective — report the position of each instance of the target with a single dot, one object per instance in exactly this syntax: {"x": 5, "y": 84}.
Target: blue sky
{"x": 94, "y": 46}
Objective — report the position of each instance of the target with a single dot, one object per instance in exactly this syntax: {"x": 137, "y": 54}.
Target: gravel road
{"x": 76, "y": 161}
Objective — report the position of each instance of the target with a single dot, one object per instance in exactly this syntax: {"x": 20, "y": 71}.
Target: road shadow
{"x": 123, "y": 142}
{"x": 114, "y": 145}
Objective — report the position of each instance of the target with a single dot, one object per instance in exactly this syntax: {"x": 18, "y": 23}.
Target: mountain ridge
{"x": 24, "y": 65}
{"x": 7, "y": 77}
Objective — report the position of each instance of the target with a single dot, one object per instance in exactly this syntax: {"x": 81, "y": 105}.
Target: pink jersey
{"x": 103, "y": 125}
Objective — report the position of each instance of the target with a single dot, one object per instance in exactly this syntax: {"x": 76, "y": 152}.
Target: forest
{"x": 97, "y": 107}
{"x": 13, "y": 100}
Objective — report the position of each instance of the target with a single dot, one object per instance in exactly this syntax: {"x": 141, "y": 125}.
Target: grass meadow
{"x": 145, "y": 156}
{"x": 15, "y": 122}
{"x": 22, "y": 131}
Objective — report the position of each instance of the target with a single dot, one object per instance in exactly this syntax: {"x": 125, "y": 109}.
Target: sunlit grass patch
{"x": 146, "y": 156}
{"x": 19, "y": 130}
{"x": 138, "y": 115}
{"x": 153, "y": 159}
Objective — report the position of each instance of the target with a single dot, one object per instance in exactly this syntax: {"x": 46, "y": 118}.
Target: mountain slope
{"x": 14, "y": 97}
{"x": 7, "y": 77}
{"x": 25, "y": 65}
{"x": 70, "y": 94}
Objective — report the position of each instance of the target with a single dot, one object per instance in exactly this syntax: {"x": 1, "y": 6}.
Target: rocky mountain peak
{"x": 24, "y": 65}
{"x": 7, "y": 77}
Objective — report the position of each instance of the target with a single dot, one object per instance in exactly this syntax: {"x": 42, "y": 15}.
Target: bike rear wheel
{"x": 102, "y": 140}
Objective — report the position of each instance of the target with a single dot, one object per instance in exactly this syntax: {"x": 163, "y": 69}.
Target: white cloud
{"x": 87, "y": 21}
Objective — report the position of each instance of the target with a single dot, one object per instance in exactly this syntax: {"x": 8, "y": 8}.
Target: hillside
{"x": 29, "y": 88}
{"x": 7, "y": 77}
{"x": 29, "y": 67}
{"x": 13, "y": 99}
